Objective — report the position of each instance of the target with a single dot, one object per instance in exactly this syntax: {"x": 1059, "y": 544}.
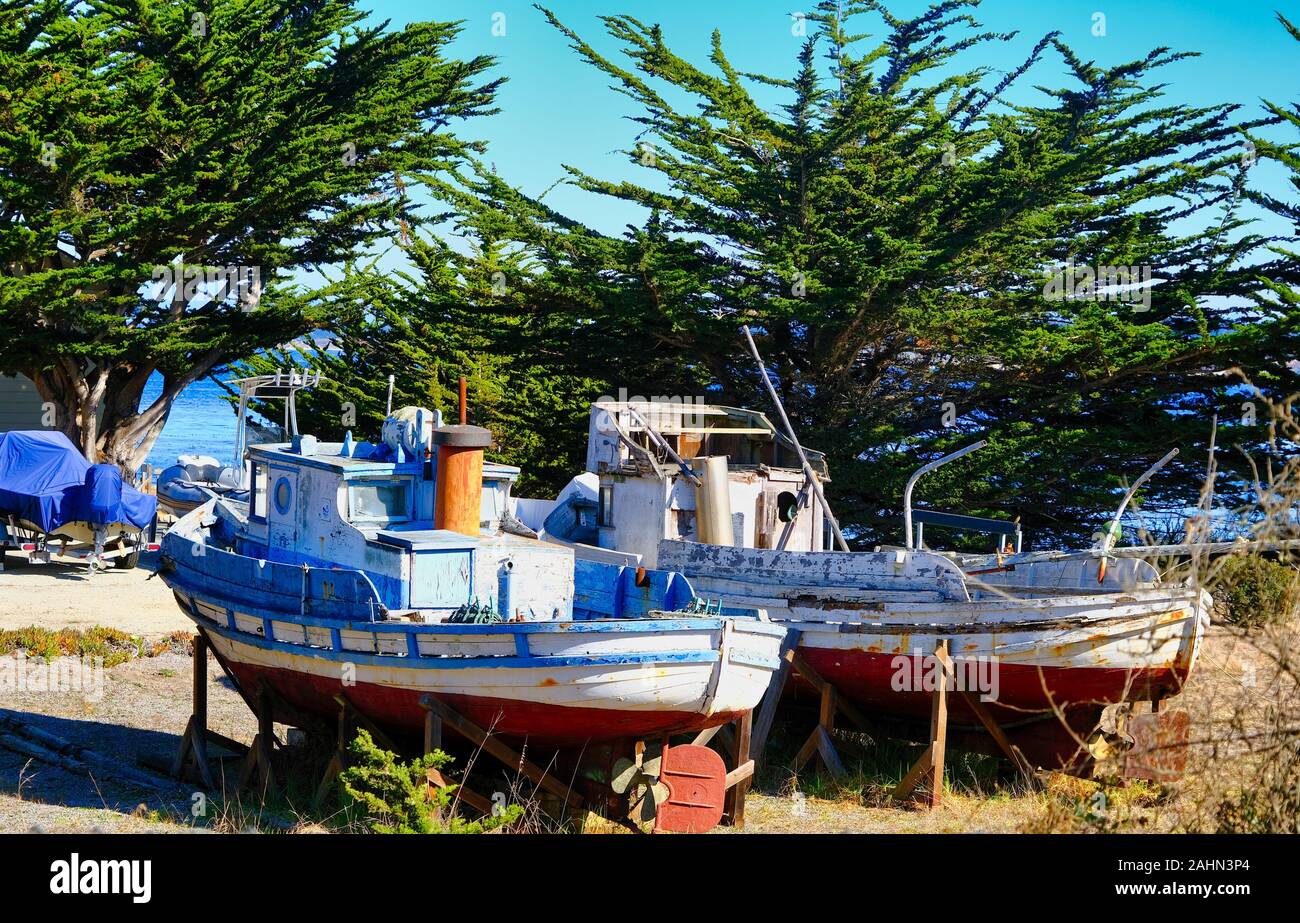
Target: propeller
{"x": 639, "y": 779}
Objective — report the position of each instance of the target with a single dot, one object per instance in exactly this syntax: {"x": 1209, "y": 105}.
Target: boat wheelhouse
{"x": 639, "y": 488}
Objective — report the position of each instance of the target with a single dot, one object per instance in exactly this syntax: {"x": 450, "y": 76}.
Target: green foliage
{"x": 395, "y": 797}
{"x": 256, "y": 134}
{"x": 113, "y": 645}
{"x": 451, "y": 312}
{"x": 1257, "y": 590}
{"x": 890, "y": 232}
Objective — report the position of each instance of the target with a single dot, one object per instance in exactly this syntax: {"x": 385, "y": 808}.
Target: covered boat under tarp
{"x": 49, "y": 491}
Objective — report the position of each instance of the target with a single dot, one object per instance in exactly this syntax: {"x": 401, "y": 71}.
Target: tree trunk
{"x": 112, "y": 428}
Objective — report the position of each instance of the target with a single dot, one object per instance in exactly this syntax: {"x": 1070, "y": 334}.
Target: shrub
{"x": 113, "y": 645}
{"x": 396, "y": 797}
{"x": 1256, "y": 590}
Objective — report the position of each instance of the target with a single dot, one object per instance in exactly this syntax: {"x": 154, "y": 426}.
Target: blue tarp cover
{"x": 46, "y": 481}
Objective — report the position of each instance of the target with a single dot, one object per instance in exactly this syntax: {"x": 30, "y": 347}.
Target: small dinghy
{"x": 364, "y": 570}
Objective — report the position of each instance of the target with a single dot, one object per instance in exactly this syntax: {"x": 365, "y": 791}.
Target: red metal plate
{"x": 697, "y": 786}
{"x": 1159, "y": 746}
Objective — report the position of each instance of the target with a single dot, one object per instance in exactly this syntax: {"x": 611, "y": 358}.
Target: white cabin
{"x": 634, "y": 492}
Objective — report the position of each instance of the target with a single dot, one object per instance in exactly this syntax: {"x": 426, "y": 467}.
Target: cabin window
{"x": 605, "y": 515}
{"x": 386, "y": 501}
{"x": 787, "y": 506}
{"x": 257, "y": 491}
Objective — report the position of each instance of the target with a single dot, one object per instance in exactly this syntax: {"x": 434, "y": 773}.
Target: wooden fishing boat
{"x": 1045, "y": 651}
{"x": 344, "y": 575}
{"x": 1062, "y": 636}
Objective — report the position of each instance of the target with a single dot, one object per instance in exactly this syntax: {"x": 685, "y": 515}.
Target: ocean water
{"x": 202, "y": 422}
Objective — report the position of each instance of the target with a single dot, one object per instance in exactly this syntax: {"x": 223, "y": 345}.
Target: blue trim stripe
{"x": 464, "y": 663}
{"x": 639, "y": 625}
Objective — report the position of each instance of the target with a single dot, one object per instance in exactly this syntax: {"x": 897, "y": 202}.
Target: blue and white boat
{"x": 336, "y": 577}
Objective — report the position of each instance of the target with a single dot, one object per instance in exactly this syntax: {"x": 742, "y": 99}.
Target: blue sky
{"x": 556, "y": 109}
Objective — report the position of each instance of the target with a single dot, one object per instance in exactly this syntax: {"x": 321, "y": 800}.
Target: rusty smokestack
{"x": 458, "y": 494}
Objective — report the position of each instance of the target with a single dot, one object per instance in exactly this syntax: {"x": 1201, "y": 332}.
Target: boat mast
{"x": 808, "y": 472}
{"x": 1108, "y": 539}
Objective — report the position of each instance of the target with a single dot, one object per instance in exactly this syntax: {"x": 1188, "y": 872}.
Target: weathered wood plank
{"x": 826, "y": 749}
{"x": 908, "y": 783}
{"x": 771, "y": 699}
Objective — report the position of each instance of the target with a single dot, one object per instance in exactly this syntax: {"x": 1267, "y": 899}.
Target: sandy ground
{"x": 145, "y": 704}
{"x": 62, "y": 594}
{"x": 141, "y": 712}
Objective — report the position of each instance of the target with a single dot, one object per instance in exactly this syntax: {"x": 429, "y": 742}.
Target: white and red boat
{"x": 343, "y": 576}
{"x": 1060, "y": 636}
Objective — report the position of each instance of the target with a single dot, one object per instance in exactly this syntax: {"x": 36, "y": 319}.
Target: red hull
{"x": 1022, "y": 696}
{"x": 400, "y": 710}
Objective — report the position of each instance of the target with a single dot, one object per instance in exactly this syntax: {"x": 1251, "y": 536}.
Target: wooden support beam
{"x": 776, "y": 686}
{"x": 192, "y": 754}
{"x": 820, "y": 742}
{"x": 226, "y": 743}
{"x": 702, "y": 739}
{"x": 377, "y": 734}
{"x": 432, "y": 732}
{"x": 913, "y": 776}
{"x": 433, "y": 741}
{"x": 995, "y": 731}
{"x": 257, "y": 763}
{"x": 939, "y": 725}
{"x": 930, "y": 766}
{"x": 505, "y": 754}
{"x": 826, "y": 750}
{"x": 338, "y": 760}
{"x": 739, "y": 779}
{"x": 849, "y": 710}
{"x": 463, "y": 792}
{"x": 727, "y": 740}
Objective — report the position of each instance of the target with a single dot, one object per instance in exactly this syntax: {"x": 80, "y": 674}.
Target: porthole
{"x": 283, "y": 494}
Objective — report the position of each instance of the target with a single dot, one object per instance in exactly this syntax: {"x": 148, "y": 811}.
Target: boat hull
{"x": 395, "y": 703}
{"x": 1059, "y": 657}
{"x": 1088, "y": 652}
{"x": 553, "y": 683}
